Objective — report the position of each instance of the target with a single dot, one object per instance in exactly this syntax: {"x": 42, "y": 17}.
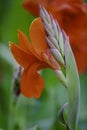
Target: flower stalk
{"x": 59, "y": 46}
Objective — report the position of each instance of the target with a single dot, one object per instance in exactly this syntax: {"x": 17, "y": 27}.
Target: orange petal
{"x": 24, "y": 42}
{"x": 37, "y": 35}
{"x": 21, "y": 56}
{"x": 26, "y": 45}
{"x": 31, "y": 82}
{"x": 50, "y": 5}
{"x": 31, "y": 6}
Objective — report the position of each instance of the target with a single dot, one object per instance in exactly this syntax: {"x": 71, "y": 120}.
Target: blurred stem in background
{"x": 5, "y": 82}
{"x": 4, "y": 9}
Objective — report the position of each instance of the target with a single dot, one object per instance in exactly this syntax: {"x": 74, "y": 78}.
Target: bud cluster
{"x": 56, "y": 40}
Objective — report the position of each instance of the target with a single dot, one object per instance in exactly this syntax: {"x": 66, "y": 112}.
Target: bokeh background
{"x": 18, "y": 112}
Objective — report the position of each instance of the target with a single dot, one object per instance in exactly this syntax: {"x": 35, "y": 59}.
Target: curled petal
{"x": 21, "y": 56}
{"x": 31, "y": 82}
{"x": 37, "y": 36}
{"x": 24, "y": 42}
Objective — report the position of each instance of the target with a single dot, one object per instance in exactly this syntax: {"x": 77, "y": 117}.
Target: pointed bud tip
{"x": 9, "y": 43}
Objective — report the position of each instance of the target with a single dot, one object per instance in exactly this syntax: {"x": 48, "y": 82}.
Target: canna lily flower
{"x": 48, "y": 47}
{"x": 72, "y": 17}
{"x": 33, "y": 56}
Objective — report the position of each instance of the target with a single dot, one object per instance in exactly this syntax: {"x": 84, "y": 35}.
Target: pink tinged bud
{"x": 48, "y": 57}
{"x": 54, "y": 41}
{"x": 61, "y": 43}
{"x": 48, "y": 27}
{"x": 48, "y": 31}
{"x": 58, "y": 27}
{"x": 44, "y": 14}
{"x": 55, "y": 29}
{"x": 58, "y": 35}
{"x": 58, "y": 56}
{"x": 67, "y": 45}
{"x": 50, "y": 44}
{"x": 45, "y": 57}
{"x": 61, "y": 76}
{"x": 64, "y": 35}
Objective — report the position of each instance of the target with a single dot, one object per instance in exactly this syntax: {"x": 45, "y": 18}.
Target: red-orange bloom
{"x": 33, "y": 56}
{"x": 72, "y": 17}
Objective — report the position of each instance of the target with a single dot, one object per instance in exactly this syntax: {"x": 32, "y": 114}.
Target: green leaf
{"x": 73, "y": 86}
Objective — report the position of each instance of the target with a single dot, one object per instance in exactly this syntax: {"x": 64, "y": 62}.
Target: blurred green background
{"x": 18, "y": 112}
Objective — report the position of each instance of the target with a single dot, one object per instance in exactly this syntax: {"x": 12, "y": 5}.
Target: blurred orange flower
{"x": 72, "y": 17}
{"x": 32, "y": 57}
